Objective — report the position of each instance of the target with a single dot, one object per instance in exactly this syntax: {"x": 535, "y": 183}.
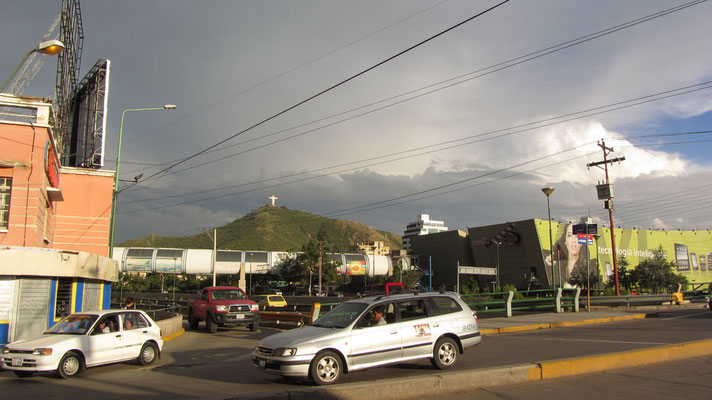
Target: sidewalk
{"x": 598, "y": 315}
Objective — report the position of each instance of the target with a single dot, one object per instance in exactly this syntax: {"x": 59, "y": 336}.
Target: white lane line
{"x": 688, "y": 315}
{"x": 581, "y": 340}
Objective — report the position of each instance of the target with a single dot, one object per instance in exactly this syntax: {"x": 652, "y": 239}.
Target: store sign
{"x": 51, "y": 165}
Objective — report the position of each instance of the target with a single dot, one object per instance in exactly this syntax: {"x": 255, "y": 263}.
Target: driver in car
{"x": 377, "y": 316}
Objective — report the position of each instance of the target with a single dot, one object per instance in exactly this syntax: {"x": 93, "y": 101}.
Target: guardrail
{"x": 532, "y": 300}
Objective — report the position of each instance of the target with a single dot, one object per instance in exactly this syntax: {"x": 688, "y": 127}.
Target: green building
{"x": 522, "y": 253}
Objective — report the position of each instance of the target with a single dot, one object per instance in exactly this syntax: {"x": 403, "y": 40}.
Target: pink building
{"x": 54, "y": 225}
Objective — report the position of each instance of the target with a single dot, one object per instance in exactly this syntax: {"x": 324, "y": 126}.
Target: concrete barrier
{"x": 171, "y": 327}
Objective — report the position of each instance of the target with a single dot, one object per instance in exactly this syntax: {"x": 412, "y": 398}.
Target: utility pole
{"x": 321, "y": 243}
{"x": 605, "y": 192}
{"x": 214, "y": 238}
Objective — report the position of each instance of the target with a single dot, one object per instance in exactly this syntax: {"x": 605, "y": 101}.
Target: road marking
{"x": 688, "y": 315}
{"x": 582, "y": 340}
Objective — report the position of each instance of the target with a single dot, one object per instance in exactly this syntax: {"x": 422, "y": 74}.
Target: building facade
{"x": 54, "y": 225}
{"x": 423, "y": 226}
{"x": 522, "y": 253}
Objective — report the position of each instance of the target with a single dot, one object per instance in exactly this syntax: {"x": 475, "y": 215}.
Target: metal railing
{"x": 531, "y": 300}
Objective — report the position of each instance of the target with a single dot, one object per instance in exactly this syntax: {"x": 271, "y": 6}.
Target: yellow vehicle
{"x": 270, "y": 300}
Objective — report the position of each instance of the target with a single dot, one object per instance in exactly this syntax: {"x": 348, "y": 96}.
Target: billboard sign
{"x": 356, "y": 268}
{"x": 682, "y": 257}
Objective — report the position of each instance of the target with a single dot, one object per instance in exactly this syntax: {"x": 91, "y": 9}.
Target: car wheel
{"x": 254, "y": 327}
{"x": 212, "y": 326}
{"x": 445, "y": 353}
{"x": 192, "y": 322}
{"x": 326, "y": 368}
{"x": 149, "y": 353}
{"x": 70, "y": 366}
{"x": 23, "y": 374}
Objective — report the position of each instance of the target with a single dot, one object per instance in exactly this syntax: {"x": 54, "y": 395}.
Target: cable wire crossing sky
{"x": 378, "y": 112}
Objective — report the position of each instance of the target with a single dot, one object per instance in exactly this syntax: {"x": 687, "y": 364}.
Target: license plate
{"x": 240, "y": 316}
{"x": 262, "y": 363}
{"x": 16, "y": 362}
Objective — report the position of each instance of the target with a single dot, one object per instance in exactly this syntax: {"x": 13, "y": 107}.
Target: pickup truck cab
{"x": 223, "y": 306}
{"x": 382, "y": 289}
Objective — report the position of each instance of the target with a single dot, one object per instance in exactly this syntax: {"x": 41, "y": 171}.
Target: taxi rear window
{"x": 443, "y": 305}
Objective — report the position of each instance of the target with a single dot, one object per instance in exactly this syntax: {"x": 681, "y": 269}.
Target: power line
{"x": 502, "y": 132}
{"x": 477, "y": 74}
{"x": 327, "y": 90}
{"x": 302, "y": 65}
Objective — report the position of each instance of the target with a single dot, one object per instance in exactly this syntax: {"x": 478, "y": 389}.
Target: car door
{"x": 134, "y": 329}
{"x": 372, "y": 343}
{"x": 418, "y": 330}
{"x": 104, "y": 347}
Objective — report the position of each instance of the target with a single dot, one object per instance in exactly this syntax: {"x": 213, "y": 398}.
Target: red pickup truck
{"x": 223, "y": 306}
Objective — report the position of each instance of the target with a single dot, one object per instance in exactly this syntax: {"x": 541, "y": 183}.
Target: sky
{"x": 467, "y": 127}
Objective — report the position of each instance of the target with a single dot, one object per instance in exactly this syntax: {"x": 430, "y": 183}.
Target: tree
{"x": 625, "y": 280}
{"x": 469, "y": 285}
{"x": 305, "y": 265}
{"x": 656, "y": 274}
{"x": 578, "y": 276}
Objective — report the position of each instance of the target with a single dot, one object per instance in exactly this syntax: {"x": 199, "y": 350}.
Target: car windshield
{"x": 75, "y": 324}
{"x": 341, "y": 316}
{"x": 228, "y": 294}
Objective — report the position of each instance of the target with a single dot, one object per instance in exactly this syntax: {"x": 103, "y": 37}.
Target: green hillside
{"x": 275, "y": 229}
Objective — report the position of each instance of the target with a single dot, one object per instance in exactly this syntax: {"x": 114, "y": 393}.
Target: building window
{"x": 5, "y": 185}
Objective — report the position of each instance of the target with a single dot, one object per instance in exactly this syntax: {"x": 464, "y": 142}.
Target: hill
{"x": 275, "y": 229}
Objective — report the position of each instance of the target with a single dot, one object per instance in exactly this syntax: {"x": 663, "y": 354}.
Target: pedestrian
{"x": 129, "y": 303}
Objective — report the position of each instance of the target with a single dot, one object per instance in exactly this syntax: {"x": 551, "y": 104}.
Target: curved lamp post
{"x": 49, "y": 47}
{"x": 548, "y": 191}
{"x": 116, "y": 176}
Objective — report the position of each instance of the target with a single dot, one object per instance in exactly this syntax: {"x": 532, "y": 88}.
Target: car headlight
{"x": 5, "y": 350}
{"x": 254, "y": 307}
{"x": 222, "y": 308}
{"x": 284, "y": 352}
{"x": 42, "y": 351}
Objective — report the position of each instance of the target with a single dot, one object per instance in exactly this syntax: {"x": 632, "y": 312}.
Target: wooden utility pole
{"x": 608, "y": 194}
{"x": 321, "y": 243}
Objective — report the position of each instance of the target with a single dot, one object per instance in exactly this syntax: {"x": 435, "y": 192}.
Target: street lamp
{"x": 548, "y": 191}
{"x": 497, "y": 243}
{"x": 116, "y": 174}
{"x": 49, "y": 47}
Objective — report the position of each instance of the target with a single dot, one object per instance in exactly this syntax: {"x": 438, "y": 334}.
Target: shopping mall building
{"x": 522, "y": 251}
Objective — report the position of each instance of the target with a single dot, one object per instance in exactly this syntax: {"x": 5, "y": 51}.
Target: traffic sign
{"x": 585, "y": 239}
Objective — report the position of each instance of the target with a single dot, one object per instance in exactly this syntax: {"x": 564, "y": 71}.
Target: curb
{"x": 448, "y": 383}
{"x": 549, "y": 325}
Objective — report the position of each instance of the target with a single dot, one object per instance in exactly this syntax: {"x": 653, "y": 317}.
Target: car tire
{"x": 192, "y": 322}
{"x": 23, "y": 374}
{"x": 148, "y": 354}
{"x": 445, "y": 353}
{"x": 326, "y": 368}
{"x": 254, "y": 326}
{"x": 210, "y": 325}
{"x": 70, "y": 365}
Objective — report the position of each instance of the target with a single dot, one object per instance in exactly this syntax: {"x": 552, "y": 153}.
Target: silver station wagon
{"x": 370, "y": 332}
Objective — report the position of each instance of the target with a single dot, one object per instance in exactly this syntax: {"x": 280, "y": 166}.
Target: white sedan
{"x": 86, "y": 339}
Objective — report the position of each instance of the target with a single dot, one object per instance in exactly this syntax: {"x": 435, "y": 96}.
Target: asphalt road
{"x": 685, "y": 379}
{"x": 200, "y": 365}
